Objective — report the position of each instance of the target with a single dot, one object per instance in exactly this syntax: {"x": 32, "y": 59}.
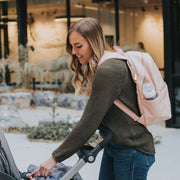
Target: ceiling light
{"x": 64, "y": 18}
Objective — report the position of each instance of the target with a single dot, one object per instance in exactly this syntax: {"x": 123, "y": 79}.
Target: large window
{"x": 131, "y": 23}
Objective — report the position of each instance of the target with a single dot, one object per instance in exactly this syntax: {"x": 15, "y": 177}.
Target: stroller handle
{"x": 88, "y": 153}
{"x": 106, "y": 139}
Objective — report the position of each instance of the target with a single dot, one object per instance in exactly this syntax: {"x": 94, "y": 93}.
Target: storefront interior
{"x": 125, "y": 23}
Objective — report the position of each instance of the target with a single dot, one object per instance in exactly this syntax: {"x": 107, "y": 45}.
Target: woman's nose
{"x": 73, "y": 51}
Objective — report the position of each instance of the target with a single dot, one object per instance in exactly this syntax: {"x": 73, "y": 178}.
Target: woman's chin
{"x": 82, "y": 62}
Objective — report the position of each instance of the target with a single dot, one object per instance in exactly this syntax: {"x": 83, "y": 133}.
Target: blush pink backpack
{"x": 145, "y": 74}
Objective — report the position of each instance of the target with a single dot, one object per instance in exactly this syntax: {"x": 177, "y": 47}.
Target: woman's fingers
{"x": 46, "y": 173}
{"x": 42, "y": 171}
{"x": 45, "y": 168}
{"x": 36, "y": 173}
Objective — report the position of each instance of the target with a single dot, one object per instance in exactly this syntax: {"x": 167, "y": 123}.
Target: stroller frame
{"x": 87, "y": 154}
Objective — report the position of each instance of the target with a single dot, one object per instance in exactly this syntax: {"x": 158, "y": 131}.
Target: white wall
{"x": 13, "y": 40}
{"x": 45, "y": 35}
{"x": 146, "y": 27}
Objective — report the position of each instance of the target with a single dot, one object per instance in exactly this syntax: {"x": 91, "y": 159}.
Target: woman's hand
{"x": 44, "y": 168}
{"x": 29, "y": 176}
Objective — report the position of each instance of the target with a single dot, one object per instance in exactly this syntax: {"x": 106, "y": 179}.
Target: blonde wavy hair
{"x": 91, "y": 30}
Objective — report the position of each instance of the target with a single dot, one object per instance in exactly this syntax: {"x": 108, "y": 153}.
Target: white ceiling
{"x": 122, "y": 3}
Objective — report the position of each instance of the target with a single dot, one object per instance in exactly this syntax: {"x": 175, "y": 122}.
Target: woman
{"x": 131, "y": 152}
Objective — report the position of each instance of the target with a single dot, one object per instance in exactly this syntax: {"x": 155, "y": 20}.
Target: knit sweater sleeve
{"x": 105, "y": 89}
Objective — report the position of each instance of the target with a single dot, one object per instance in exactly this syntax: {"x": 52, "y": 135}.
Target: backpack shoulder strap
{"x": 118, "y": 54}
{"x": 125, "y": 109}
{"x": 110, "y": 55}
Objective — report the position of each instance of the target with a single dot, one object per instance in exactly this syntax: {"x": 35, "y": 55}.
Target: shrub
{"x": 51, "y": 131}
{"x": 57, "y": 131}
{"x": 54, "y": 131}
{"x": 53, "y": 71}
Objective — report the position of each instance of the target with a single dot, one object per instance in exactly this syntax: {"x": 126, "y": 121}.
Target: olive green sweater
{"x": 112, "y": 80}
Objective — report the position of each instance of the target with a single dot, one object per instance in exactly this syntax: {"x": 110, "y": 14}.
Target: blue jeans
{"x": 124, "y": 163}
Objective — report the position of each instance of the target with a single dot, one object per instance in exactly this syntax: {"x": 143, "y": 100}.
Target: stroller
{"x": 87, "y": 154}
